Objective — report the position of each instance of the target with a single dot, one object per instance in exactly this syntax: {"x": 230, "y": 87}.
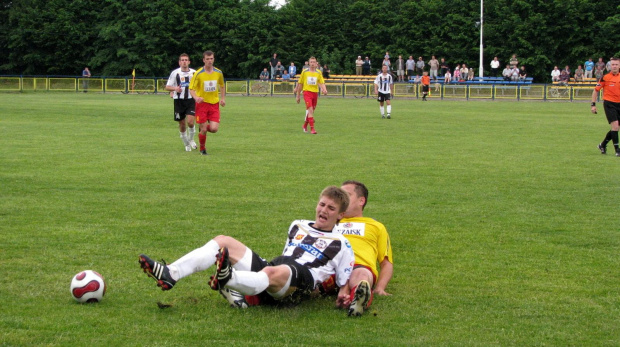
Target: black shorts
{"x": 425, "y": 88}
{"x": 612, "y": 111}
{"x": 301, "y": 280}
{"x": 381, "y": 97}
{"x": 183, "y": 108}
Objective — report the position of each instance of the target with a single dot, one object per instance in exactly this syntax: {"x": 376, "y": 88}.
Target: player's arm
{"x": 195, "y": 96}
{"x": 222, "y": 95}
{"x": 594, "y": 97}
{"x": 298, "y": 90}
{"x": 385, "y": 275}
{"x": 323, "y": 88}
{"x": 392, "y": 88}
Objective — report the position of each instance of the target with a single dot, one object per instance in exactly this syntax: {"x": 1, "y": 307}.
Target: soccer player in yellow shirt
{"x": 371, "y": 245}
{"x": 204, "y": 89}
{"x": 310, "y": 81}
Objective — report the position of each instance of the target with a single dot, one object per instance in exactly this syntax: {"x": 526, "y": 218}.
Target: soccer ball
{"x": 88, "y": 286}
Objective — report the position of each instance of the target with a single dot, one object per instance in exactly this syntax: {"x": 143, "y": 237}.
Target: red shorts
{"x": 207, "y": 112}
{"x": 310, "y": 98}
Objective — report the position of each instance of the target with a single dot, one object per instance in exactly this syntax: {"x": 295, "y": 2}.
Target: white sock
{"x": 280, "y": 293}
{"x": 306, "y": 115}
{"x": 197, "y": 260}
{"x": 183, "y": 136}
{"x": 389, "y": 109}
{"x": 190, "y": 133}
{"x": 382, "y": 110}
{"x": 248, "y": 282}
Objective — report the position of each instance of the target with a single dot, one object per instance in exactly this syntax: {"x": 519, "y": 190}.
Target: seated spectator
{"x": 447, "y": 77}
{"x": 457, "y": 73}
{"x": 292, "y": 70}
{"x": 515, "y": 74}
{"x": 565, "y": 76}
{"x": 555, "y": 74}
{"x": 471, "y": 74}
{"x": 579, "y": 74}
{"x": 264, "y": 75}
{"x": 522, "y": 73}
{"x": 507, "y": 73}
{"x": 464, "y": 72}
{"x": 286, "y": 76}
{"x": 325, "y": 71}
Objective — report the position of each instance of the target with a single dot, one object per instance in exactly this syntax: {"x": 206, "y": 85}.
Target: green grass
{"x": 503, "y": 217}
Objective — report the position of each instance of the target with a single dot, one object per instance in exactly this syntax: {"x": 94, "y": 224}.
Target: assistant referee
{"x": 610, "y": 83}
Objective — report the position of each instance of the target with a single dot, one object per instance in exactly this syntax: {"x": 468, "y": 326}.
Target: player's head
{"x": 384, "y": 69}
{"x": 184, "y": 60}
{"x": 615, "y": 65}
{"x": 208, "y": 57}
{"x": 358, "y": 197}
{"x": 313, "y": 63}
{"x": 333, "y": 202}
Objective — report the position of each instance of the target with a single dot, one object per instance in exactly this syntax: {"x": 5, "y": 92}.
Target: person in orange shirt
{"x": 426, "y": 85}
{"x": 610, "y": 83}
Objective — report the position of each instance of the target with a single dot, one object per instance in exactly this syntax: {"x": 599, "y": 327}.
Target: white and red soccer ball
{"x": 88, "y": 286}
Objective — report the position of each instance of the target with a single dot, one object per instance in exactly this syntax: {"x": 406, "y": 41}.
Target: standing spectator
{"x": 507, "y": 73}
{"x": 444, "y": 66}
{"x": 555, "y": 74}
{"x": 410, "y": 65}
{"x": 599, "y": 69}
{"x": 325, "y": 71}
{"x": 386, "y": 62}
{"x": 610, "y": 84}
{"x": 579, "y": 73}
{"x": 589, "y": 65}
{"x": 264, "y": 75}
{"x": 184, "y": 105}
{"x": 494, "y": 67}
{"x": 514, "y": 61}
{"x": 273, "y": 62}
{"x": 400, "y": 68}
{"x": 419, "y": 65}
{"x": 203, "y": 88}
{"x": 85, "y": 77}
{"x": 292, "y": 70}
{"x": 426, "y": 85}
{"x": 366, "y": 67}
{"x": 279, "y": 69}
{"x": 384, "y": 90}
{"x": 434, "y": 67}
{"x": 310, "y": 82}
{"x": 358, "y": 65}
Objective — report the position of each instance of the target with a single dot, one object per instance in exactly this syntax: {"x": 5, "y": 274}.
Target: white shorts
{"x": 400, "y": 73}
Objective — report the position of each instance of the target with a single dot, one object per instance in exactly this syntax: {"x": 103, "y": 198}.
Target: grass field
{"x": 503, "y": 218}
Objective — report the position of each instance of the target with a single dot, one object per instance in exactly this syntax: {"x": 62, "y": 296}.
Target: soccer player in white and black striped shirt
{"x": 184, "y": 105}
{"x": 384, "y": 89}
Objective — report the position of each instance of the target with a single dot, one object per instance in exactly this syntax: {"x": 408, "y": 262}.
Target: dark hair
{"x": 360, "y": 190}
{"x": 207, "y": 53}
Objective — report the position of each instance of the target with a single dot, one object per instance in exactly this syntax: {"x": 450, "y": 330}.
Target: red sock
{"x": 203, "y": 140}
{"x": 311, "y": 121}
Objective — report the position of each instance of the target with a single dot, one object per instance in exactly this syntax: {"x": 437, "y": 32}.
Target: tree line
{"x": 113, "y": 37}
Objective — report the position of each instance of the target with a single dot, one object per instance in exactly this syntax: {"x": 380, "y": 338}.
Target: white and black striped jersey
{"x": 384, "y": 82}
{"x": 181, "y": 78}
{"x": 323, "y": 253}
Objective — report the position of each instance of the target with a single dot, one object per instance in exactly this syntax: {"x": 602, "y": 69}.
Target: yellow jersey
{"x": 369, "y": 239}
{"x": 206, "y": 84}
{"x": 311, "y": 80}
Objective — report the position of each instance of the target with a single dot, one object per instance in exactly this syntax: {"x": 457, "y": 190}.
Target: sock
{"x": 614, "y": 139}
{"x": 248, "y": 282}
{"x": 203, "y": 140}
{"x": 183, "y": 137}
{"x": 389, "y": 109}
{"x": 607, "y": 139}
{"x": 190, "y": 133}
{"x": 381, "y": 108}
{"x": 197, "y": 260}
{"x": 306, "y": 117}
{"x": 311, "y": 121}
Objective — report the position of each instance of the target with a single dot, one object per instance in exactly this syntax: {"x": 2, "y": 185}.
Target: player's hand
{"x": 297, "y": 98}
{"x": 179, "y": 89}
{"x": 593, "y": 110}
{"x": 199, "y": 100}
{"x": 381, "y": 292}
{"x": 222, "y": 102}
